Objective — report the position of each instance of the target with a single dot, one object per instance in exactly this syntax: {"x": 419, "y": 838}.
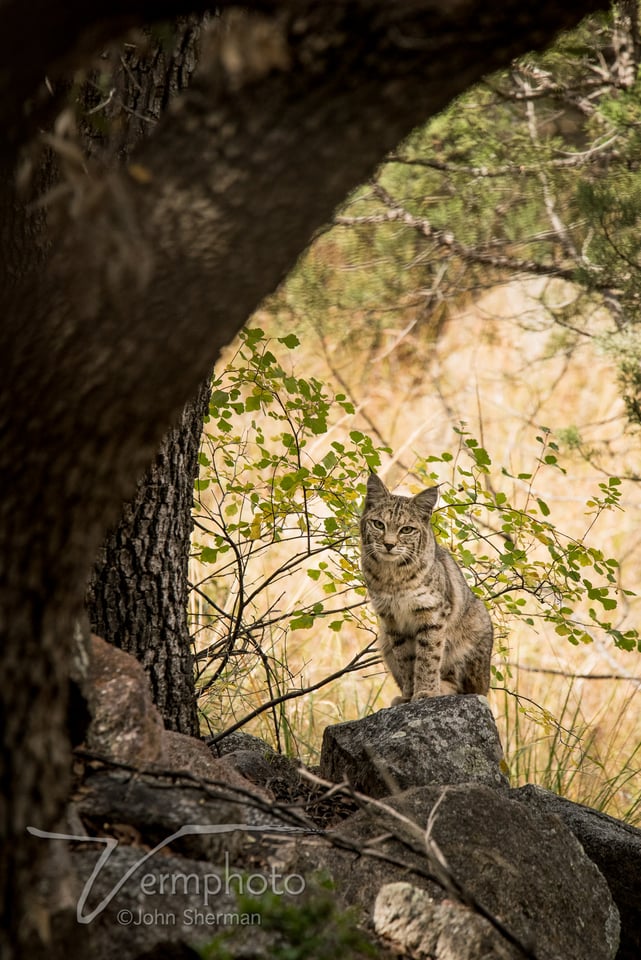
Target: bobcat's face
{"x": 391, "y": 539}
{"x": 396, "y": 530}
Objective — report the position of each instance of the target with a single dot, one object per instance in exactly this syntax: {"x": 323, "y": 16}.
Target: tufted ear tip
{"x": 426, "y": 500}
{"x": 376, "y": 489}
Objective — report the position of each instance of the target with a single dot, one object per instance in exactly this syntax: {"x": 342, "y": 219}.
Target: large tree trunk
{"x": 153, "y": 268}
{"x": 137, "y": 596}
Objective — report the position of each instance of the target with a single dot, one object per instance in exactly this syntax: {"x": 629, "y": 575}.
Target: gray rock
{"x": 417, "y": 926}
{"x": 192, "y": 756}
{"x": 239, "y": 741}
{"x": 125, "y": 725}
{"x": 278, "y": 774}
{"x": 252, "y": 765}
{"x": 437, "y": 740}
{"x": 181, "y": 752}
{"x": 168, "y": 907}
{"x": 614, "y": 846}
{"x": 147, "y": 810}
{"x": 523, "y": 866}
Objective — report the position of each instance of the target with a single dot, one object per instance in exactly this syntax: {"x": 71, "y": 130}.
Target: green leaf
{"x": 208, "y": 555}
{"x": 317, "y": 425}
{"x": 252, "y": 403}
{"x": 290, "y": 341}
{"x": 302, "y": 622}
{"x": 252, "y": 335}
{"x": 218, "y": 399}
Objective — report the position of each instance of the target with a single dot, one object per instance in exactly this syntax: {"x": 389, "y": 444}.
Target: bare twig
{"x": 358, "y": 662}
{"x": 601, "y": 149}
{"x": 520, "y": 696}
{"x": 576, "y": 676}
{"x": 561, "y": 231}
{"x": 444, "y": 239}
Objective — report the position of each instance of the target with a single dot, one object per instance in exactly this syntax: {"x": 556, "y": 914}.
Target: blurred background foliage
{"x": 470, "y": 318}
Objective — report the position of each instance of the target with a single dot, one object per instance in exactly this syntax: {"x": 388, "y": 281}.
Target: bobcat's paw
{"x": 423, "y": 694}
{"x": 398, "y": 700}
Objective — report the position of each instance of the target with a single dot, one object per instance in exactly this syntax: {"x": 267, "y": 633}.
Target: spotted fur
{"x": 435, "y": 634}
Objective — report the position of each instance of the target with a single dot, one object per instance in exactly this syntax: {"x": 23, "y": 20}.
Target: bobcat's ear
{"x": 426, "y": 500}
{"x": 376, "y": 490}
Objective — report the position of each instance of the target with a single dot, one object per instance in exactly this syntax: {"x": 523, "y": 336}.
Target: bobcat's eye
{"x": 407, "y": 530}
{"x": 378, "y": 525}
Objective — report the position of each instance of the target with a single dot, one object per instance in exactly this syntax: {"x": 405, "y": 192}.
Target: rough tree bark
{"x": 103, "y": 344}
{"x": 137, "y": 596}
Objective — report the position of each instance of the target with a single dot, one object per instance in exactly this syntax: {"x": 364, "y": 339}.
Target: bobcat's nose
{"x": 389, "y": 546}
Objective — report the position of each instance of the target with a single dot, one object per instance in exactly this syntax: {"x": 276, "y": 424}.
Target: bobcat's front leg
{"x": 400, "y": 656}
{"x": 430, "y": 643}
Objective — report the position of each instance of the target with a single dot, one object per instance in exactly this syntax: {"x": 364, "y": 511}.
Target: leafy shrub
{"x": 283, "y": 470}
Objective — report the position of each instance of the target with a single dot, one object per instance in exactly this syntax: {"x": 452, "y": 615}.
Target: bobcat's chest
{"x": 405, "y": 611}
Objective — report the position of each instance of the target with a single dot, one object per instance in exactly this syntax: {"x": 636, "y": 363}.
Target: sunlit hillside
{"x": 505, "y": 370}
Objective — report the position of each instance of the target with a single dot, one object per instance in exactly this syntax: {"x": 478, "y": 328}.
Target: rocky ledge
{"x": 410, "y": 816}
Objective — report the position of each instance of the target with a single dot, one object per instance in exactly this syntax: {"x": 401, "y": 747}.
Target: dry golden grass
{"x": 503, "y": 368}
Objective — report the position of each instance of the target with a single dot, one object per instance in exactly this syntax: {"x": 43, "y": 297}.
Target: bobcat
{"x": 435, "y": 635}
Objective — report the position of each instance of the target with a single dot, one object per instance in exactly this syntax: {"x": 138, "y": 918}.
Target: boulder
{"x": 193, "y": 756}
{"x": 125, "y": 725}
{"x": 143, "y": 809}
{"x": 164, "y": 907}
{"x": 522, "y": 865}
{"x": 438, "y": 762}
{"x": 614, "y": 846}
{"x": 276, "y": 773}
{"x": 167, "y": 907}
{"x": 181, "y": 752}
{"x": 254, "y": 766}
{"x": 436, "y": 740}
{"x": 239, "y": 741}
{"x": 417, "y": 926}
